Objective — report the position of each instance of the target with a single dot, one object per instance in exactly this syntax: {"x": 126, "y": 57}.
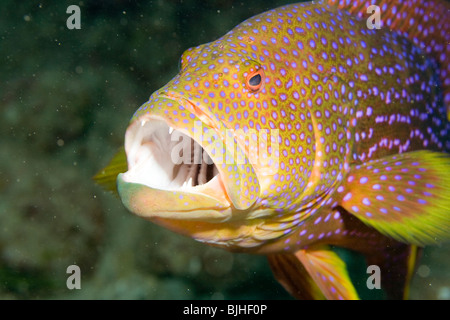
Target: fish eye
{"x": 255, "y": 80}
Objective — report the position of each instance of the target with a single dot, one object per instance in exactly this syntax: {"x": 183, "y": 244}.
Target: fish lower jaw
{"x": 162, "y": 157}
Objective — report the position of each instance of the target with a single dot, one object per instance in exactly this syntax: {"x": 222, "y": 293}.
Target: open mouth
{"x": 160, "y": 156}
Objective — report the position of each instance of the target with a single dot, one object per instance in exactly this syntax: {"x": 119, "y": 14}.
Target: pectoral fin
{"x": 313, "y": 273}
{"x": 405, "y": 197}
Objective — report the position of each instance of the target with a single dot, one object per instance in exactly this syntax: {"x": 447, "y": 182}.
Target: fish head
{"x": 225, "y": 147}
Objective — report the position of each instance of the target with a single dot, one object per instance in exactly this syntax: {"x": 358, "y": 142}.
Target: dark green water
{"x": 66, "y": 97}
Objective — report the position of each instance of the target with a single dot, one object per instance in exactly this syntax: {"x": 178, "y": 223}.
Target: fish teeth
{"x": 170, "y": 130}
{"x": 143, "y": 122}
{"x": 187, "y": 183}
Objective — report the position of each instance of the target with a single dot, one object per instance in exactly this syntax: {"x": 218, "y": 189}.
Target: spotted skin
{"x": 345, "y": 101}
{"x": 426, "y": 25}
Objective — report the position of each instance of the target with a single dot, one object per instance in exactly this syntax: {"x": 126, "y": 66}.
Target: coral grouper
{"x": 303, "y": 129}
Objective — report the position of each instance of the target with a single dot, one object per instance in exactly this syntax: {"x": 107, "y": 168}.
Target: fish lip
{"x": 156, "y": 204}
{"x": 144, "y": 120}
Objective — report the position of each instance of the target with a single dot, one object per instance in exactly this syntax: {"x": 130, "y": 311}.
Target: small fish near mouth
{"x": 362, "y": 142}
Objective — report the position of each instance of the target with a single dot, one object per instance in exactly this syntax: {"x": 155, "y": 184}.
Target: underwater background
{"x": 66, "y": 97}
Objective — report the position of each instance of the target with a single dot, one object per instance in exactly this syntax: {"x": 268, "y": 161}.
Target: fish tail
{"x": 424, "y": 22}
{"x": 397, "y": 263}
{"x": 414, "y": 256}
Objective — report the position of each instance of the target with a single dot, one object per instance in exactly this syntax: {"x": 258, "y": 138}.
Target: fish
{"x": 300, "y": 131}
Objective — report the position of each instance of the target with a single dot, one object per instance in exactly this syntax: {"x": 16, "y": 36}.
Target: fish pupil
{"x": 255, "y": 80}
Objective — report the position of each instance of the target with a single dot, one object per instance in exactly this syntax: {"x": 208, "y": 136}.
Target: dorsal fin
{"x": 424, "y": 22}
